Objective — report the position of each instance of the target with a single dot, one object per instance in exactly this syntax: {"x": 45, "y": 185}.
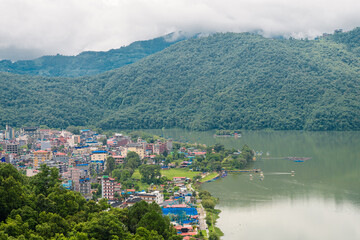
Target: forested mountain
{"x": 91, "y": 62}
{"x": 225, "y": 81}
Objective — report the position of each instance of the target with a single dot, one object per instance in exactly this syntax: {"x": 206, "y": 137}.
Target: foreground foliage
{"x": 38, "y": 208}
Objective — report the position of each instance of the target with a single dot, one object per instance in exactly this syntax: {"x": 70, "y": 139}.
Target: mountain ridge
{"x": 89, "y": 63}
{"x": 224, "y": 81}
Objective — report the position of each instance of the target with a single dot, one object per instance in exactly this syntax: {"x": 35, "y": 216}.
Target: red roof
{"x": 41, "y": 151}
{"x": 61, "y": 154}
{"x": 189, "y": 234}
{"x": 199, "y": 153}
{"x": 130, "y": 190}
{"x": 177, "y": 206}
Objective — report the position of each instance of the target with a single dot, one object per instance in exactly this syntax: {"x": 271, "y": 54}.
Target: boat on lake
{"x": 298, "y": 159}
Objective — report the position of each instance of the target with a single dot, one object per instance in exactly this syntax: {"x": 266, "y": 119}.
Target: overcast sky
{"x": 31, "y": 28}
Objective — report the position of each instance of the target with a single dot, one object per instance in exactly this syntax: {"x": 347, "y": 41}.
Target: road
{"x": 201, "y": 212}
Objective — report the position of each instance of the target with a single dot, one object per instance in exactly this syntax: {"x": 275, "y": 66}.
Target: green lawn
{"x": 209, "y": 177}
{"x": 178, "y": 172}
{"x": 173, "y": 172}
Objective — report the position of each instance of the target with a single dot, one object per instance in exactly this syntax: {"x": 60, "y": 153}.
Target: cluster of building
{"x": 81, "y": 160}
{"x": 181, "y": 209}
{"x": 79, "y": 157}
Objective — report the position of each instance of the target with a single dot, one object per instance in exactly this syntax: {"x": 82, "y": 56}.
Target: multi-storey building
{"x": 32, "y": 132}
{"x": 9, "y": 133}
{"x": 41, "y": 157}
{"x": 61, "y": 157}
{"x": 85, "y": 187}
{"x": 159, "y": 148}
{"x": 99, "y": 155}
{"x": 136, "y": 147}
{"x": 109, "y": 188}
{"x": 155, "y": 196}
{"x": 12, "y": 148}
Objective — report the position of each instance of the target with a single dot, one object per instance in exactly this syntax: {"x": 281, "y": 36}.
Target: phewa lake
{"x": 320, "y": 200}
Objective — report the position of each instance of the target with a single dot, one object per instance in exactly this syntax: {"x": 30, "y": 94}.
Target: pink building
{"x": 109, "y": 188}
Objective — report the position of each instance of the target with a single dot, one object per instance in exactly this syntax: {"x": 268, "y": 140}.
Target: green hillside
{"x": 229, "y": 81}
{"x": 89, "y": 63}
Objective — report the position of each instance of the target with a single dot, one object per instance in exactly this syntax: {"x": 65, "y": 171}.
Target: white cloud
{"x": 71, "y": 26}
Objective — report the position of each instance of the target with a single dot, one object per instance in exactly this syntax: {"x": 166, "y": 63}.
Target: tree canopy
{"x": 48, "y": 211}
{"x": 223, "y": 81}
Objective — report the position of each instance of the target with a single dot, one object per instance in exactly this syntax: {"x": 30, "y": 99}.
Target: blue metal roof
{"x": 99, "y": 151}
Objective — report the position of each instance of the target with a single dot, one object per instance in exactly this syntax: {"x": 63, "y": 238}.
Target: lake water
{"x": 321, "y": 201}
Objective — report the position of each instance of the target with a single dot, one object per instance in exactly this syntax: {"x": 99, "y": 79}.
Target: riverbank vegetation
{"x": 227, "y": 132}
{"x": 209, "y": 202}
{"x": 218, "y": 158}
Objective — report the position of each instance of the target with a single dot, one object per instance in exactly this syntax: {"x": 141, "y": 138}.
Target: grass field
{"x": 209, "y": 177}
{"x": 173, "y": 172}
{"x": 178, "y": 172}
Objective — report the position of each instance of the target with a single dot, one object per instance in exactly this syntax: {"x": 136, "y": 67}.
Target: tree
{"x": 11, "y": 190}
{"x": 48, "y": 211}
{"x": 106, "y": 226}
{"x": 46, "y": 179}
{"x": 247, "y": 153}
{"x": 110, "y": 164}
{"x": 103, "y": 141}
{"x": 213, "y": 236}
{"x": 196, "y": 178}
{"x": 219, "y": 147}
{"x": 204, "y": 194}
{"x": 132, "y": 160}
{"x": 154, "y": 221}
{"x": 208, "y": 203}
{"x": 165, "y": 153}
{"x": 144, "y": 234}
{"x": 73, "y": 129}
{"x": 150, "y": 173}
{"x": 117, "y": 196}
